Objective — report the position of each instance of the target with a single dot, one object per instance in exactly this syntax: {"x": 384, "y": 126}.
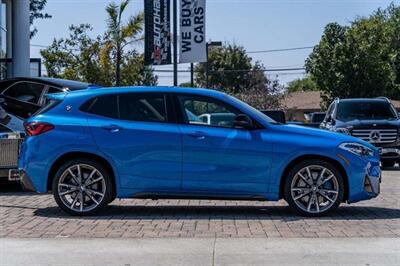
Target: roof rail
{"x": 383, "y": 98}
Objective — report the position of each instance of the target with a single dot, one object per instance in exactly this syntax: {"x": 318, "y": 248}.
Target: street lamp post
{"x": 210, "y": 44}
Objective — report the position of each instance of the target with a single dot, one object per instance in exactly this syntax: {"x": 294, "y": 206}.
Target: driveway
{"x": 27, "y": 215}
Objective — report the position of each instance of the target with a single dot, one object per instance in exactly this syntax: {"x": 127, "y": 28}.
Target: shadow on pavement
{"x": 10, "y": 188}
{"x": 223, "y": 212}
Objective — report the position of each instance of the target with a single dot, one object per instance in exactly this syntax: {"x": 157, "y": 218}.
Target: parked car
{"x": 23, "y": 97}
{"x": 144, "y": 142}
{"x": 315, "y": 119}
{"x": 19, "y": 99}
{"x": 217, "y": 119}
{"x": 373, "y": 120}
{"x": 277, "y": 115}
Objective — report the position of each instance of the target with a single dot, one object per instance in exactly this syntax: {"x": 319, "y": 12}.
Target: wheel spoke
{"x": 67, "y": 186}
{"x": 304, "y": 192}
{"x": 78, "y": 167}
{"x": 321, "y": 176}
{"x": 74, "y": 202}
{"x": 324, "y": 181}
{"x": 94, "y": 181}
{"x": 68, "y": 192}
{"x": 92, "y": 198}
{"x": 310, "y": 201}
{"x": 316, "y": 202}
{"x": 325, "y": 193}
{"x": 73, "y": 176}
{"x": 308, "y": 182}
{"x": 81, "y": 201}
{"x": 91, "y": 191}
{"x": 90, "y": 177}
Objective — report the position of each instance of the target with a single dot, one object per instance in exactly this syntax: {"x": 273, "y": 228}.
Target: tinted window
{"x": 206, "y": 111}
{"x": 54, "y": 90}
{"x": 318, "y": 118}
{"x": 143, "y": 107}
{"x": 25, "y": 92}
{"x": 106, "y": 105}
{"x": 365, "y": 110}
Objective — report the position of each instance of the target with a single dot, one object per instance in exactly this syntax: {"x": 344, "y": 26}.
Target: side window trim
{"x": 92, "y": 101}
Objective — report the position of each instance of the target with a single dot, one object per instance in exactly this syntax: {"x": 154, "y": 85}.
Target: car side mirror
{"x": 243, "y": 121}
{"x": 2, "y": 100}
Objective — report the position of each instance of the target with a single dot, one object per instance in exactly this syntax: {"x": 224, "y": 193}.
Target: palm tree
{"x": 122, "y": 34}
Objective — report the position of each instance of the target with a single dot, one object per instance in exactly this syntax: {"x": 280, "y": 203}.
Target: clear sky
{"x": 255, "y": 24}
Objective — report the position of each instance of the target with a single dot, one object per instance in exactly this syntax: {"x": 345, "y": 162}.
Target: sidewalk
{"x": 202, "y": 251}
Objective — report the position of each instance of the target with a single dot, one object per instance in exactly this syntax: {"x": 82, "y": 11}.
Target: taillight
{"x": 37, "y": 128}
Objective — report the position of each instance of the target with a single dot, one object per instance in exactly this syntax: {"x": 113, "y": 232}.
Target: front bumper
{"x": 389, "y": 153}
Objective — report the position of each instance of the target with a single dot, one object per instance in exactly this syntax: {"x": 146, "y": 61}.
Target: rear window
{"x": 106, "y": 105}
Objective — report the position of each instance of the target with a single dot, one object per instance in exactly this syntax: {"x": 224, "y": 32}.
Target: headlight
{"x": 342, "y": 130}
{"x": 357, "y": 149}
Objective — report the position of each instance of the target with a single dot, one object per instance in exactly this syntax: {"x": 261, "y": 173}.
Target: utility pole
{"x": 191, "y": 75}
{"x": 175, "y": 41}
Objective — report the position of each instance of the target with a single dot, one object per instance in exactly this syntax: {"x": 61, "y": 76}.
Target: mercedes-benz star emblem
{"x": 375, "y": 136}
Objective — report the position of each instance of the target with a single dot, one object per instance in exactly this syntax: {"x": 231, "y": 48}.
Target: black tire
{"x": 107, "y": 198}
{"x": 388, "y": 163}
{"x": 310, "y": 163}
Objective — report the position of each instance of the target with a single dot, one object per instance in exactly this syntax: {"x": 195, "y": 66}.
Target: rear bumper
{"x": 26, "y": 181}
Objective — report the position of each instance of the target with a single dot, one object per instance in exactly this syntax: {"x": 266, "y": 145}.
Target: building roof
{"x": 303, "y": 100}
{"x": 310, "y": 100}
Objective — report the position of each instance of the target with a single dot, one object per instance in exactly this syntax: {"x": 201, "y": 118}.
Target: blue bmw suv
{"x": 90, "y": 147}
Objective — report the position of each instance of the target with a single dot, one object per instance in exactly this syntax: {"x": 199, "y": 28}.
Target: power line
{"x": 281, "y": 50}
{"x": 235, "y": 70}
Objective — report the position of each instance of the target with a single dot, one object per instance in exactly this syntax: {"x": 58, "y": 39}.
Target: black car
{"x": 23, "y": 97}
{"x": 277, "y": 115}
{"x": 373, "y": 120}
{"x": 19, "y": 99}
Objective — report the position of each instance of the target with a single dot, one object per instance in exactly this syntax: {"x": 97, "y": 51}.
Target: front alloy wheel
{"x": 81, "y": 187}
{"x": 314, "y": 188}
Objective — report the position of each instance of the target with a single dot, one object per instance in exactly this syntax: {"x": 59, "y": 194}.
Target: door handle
{"x": 198, "y": 135}
{"x": 112, "y": 128}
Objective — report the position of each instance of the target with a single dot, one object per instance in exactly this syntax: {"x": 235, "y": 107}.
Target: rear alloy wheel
{"x": 314, "y": 188}
{"x": 82, "y": 187}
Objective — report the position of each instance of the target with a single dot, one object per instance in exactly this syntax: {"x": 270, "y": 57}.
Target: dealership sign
{"x": 157, "y": 32}
{"x": 192, "y": 31}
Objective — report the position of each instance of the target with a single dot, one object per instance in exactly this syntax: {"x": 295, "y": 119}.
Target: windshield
{"x": 365, "y": 111}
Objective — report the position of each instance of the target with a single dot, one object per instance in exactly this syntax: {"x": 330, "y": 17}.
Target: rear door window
{"x": 148, "y": 107}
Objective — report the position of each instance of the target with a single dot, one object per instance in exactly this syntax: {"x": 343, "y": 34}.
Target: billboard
{"x": 193, "y": 47}
{"x": 157, "y": 32}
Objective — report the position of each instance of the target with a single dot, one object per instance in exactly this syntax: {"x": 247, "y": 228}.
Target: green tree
{"x": 36, "y": 12}
{"x": 231, "y": 70}
{"x": 122, "y": 34}
{"x": 80, "y": 57}
{"x": 302, "y": 84}
{"x": 361, "y": 60}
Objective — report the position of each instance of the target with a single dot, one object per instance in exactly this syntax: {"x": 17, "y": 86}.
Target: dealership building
{"x": 14, "y": 38}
